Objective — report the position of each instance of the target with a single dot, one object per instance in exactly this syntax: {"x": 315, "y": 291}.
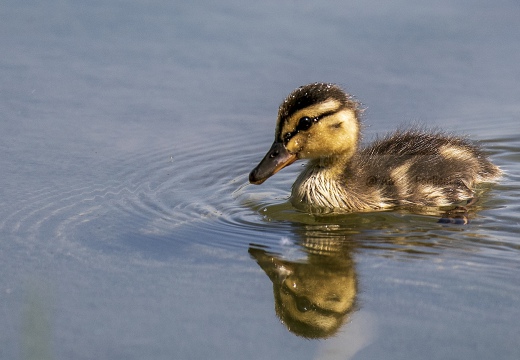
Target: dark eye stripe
{"x": 305, "y": 123}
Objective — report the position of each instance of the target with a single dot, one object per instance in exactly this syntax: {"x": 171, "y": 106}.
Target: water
{"x": 128, "y": 229}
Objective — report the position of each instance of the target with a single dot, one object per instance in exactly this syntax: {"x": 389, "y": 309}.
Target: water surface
{"x": 128, "y": 228}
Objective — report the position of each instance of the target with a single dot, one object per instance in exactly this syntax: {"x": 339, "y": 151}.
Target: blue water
{"x": 127, "y": 226}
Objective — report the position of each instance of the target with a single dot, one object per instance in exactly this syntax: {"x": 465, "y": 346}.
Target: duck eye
{"x": 304, "y": 123}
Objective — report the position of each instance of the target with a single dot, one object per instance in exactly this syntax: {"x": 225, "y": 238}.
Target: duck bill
{"x": 275, "y": 160}
{"x": 275, "y": 268}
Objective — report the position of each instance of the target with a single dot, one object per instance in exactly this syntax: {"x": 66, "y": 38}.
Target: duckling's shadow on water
{"x": 315, "y": 283}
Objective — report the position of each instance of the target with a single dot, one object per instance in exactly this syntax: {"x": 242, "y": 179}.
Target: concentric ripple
{"x": 154, "y": 201}
{"x": 160, "y": 200}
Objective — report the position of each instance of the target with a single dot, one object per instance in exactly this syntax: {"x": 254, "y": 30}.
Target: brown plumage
{"x": 411, "y": 168}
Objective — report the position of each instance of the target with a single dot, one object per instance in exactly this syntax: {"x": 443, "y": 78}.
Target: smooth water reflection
{"x": 313, "y": 298}
{"x": 313, "y": 271}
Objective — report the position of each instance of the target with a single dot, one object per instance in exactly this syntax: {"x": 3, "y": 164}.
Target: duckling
{"x": 407, "y": 168}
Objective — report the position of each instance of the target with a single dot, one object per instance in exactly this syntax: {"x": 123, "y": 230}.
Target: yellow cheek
{"x": 295, "y": 144}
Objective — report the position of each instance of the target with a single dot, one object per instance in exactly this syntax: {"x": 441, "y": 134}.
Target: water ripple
{"x": 198, "y": 193}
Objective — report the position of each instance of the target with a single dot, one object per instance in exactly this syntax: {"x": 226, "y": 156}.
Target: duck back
{"x": 420, "y": 168}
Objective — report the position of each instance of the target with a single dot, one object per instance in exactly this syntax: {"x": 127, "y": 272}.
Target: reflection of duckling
{"x": 407, "y": 168}
{"x": 313, "y": 298}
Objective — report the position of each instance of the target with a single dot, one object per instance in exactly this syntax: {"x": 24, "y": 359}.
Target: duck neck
{"x": 320, "y": 186}
{"x": 332, "y": 166}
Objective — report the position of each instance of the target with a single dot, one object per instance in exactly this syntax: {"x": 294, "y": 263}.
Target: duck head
{"x": 315, "y": 121}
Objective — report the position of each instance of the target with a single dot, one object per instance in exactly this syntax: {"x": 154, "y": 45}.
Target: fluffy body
{"x": 412, "y": 168}
{"x": 405, "y": 169}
